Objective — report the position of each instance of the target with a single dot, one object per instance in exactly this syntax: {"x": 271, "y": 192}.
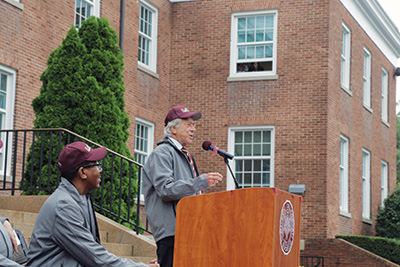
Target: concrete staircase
{"x": 117, "y": 239}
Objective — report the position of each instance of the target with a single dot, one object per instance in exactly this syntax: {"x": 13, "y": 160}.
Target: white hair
{"x": 174, "y": 123}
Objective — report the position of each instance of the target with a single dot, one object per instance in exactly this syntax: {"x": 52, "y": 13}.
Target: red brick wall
{"x": 338, "y": 252}
{"x": 26, "y": 39}
{"x": 364, "y": 129}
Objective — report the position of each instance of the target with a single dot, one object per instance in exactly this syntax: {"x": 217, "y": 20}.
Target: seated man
{"x": 66, "y": 232}
{"x": 8, "y": 242}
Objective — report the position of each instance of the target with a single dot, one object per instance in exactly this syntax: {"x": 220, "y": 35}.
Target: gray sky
{"x": 392, "y": 8}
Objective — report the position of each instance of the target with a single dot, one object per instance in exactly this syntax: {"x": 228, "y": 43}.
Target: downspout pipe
{"x": 121, "y": 26}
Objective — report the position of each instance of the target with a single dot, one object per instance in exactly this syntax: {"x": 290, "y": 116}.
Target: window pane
{"x": 248, "y": 165}
{"x": 257, "y": 179}
{"x": 242, "y": 52}
{"x": 256, "y": 150}
{"x": 257, "y": 165}
{"x": 250, "y": 36}
{"x": 241, "y": 36}
{"x": 247, "y": 178}
{"x": 250, "y": 52}
{"x": 238, "y": 150}
{"x": 259, "y": 51}
{"x": 269, "y": 35}
{"x": 88, "y": 11}
{"x": 266, "y": 165}
{"x": 268, "y": 51}
{"x": 247, "y": 150}
{"x": 251, "y": 23}
{"x": 259, "y": 35}
{"x": 239, "y": 177}
{"x": 257, "y": 137}
{"x": 247, "y": 137}
{"x": 3, "y": 100}
{"x": 242, "y": 23}
{"x": 3, "y": 90}
{"x": 239, "y": 166}
{"x": 265, "y": 179}
{"x": 260, "y": 22}
{"x": 269, "y": 21}
{"x": 238, "y": 137}
{"x": 266, "y": 136}
{"x": 266, "y": 149}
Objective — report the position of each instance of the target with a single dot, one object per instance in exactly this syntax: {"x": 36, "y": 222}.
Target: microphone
{"x": 207, "y": 145}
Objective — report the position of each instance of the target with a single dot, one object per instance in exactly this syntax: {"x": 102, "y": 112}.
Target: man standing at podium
{"x": 170, "y": 173}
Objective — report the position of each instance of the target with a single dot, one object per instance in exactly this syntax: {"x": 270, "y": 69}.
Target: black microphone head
{"x": 206, "y": 145}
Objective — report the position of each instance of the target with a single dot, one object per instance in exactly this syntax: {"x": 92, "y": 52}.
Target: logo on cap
{"x": 185, "y": 110}
{"x": 87, "y": 148}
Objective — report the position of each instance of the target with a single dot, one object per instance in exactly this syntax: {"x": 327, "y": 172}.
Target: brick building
{"x": 318, "y": 111}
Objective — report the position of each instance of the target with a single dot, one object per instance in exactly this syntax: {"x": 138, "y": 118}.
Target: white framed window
{"x": 148, "y": 20}
{"x": 8, "y": 77}
{"x": 253, "y": 148}
{"x": 344, "y": 174}
{"x": 367, "y": 78}
{"x": 345, "y": 65}
{"x": 84, "y": 9}
{"x": 144, "y": 136}
{"x": 366, "y": 184}
{"x": 385, "y": 98}
{"x": 253, "y": 43}
{"x": 384, "y": 181}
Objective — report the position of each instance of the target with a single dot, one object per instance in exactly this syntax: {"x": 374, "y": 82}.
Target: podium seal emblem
{"x": 286, "y": 227}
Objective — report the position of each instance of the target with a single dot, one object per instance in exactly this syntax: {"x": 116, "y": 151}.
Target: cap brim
{"x": 195, "y": 115}
{"x": 97, "y": 154}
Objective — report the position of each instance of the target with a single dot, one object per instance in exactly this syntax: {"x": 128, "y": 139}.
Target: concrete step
{"x": 116, "y": 238}
{"x": 122, "y": 250}
{"x": 141, "y": 259}
{"x": 19, "y": 216}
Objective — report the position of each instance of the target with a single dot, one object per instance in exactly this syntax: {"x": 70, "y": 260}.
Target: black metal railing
{"x": 28, "y": 163}
{"x": 311, "y": 261}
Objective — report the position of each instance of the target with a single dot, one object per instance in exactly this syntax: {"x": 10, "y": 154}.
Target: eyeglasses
{"x": 98, "y": 165}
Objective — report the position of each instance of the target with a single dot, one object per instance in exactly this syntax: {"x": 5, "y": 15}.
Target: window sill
{"x": 146, "y": 70}
{"x": 8, "y": 178}
{"x": 368, "y": 109}
{"x": 15, "y": 3}
{"x": 347, "y": 91}
{"x": 386, "y": 123}
{"x": 367, "y": 221}
{"x": 345, "y": 214}
{"x": 253, "y": 78}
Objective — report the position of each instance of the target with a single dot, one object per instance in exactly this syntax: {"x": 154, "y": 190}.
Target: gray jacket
{"x": 62, "y": 235}
{"x": 168, "y": 177}
{"x": 6, "y": 248}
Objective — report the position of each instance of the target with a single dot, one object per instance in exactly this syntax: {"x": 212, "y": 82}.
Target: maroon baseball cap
{"x": 1, "y": 144}
{"x": 181, "y": 112}
{"x": 76, "y": 153}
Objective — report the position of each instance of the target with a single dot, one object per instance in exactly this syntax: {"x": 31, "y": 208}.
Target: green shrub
{"x": 388, "y": 217}
{"x": 384, "y": 247}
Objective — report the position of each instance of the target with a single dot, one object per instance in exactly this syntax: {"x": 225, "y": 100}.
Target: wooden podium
{"x": 245, "y": 227}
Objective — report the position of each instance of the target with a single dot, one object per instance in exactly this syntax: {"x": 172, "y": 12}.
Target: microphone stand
{"x": 229, "y": 167}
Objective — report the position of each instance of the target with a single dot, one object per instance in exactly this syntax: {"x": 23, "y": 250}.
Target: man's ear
{"x": 173, "y": 130}
{"x": 82, "y": 174}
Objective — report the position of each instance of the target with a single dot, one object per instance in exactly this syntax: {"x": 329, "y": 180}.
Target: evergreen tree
{"x": 83, "y": 91}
